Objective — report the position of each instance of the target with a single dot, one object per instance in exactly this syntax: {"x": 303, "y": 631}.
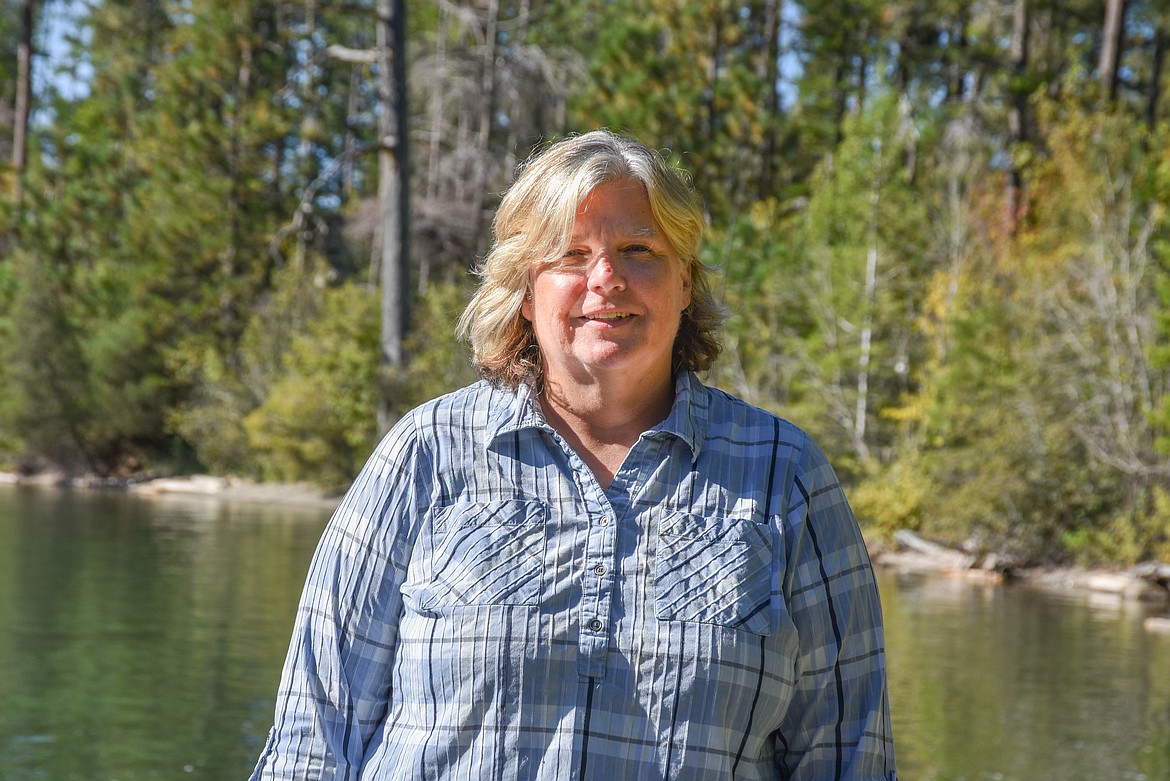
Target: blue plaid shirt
{"x": 479, "y": 608}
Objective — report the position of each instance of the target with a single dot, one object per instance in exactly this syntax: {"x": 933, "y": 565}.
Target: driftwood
{"x": 914, "y": 542}
{"x": 1146, "y": 582}
{"x": 940, "y": 555}
{"x": 918, "y": 554}
{"x": 1149, "y": 581}
{"x": 1155, "y": 572}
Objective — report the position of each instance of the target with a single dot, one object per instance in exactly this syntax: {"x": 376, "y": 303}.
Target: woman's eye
{"x": 573, "y": 257}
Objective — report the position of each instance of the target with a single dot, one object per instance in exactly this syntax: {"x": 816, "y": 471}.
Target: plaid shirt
{"x": 479, "y": 608}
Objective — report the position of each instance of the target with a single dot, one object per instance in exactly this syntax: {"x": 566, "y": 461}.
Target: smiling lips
{"x": 607, "y": 317}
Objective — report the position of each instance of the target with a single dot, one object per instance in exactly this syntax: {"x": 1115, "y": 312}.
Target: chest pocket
{"x": 714, "y": 571}
{"x": 480, "y": 553}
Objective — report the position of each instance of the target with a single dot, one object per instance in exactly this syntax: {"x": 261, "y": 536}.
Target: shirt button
{"x": 599, "y": 569}
{"x": 605, "y": 520}
{"x": 595, "y": 625}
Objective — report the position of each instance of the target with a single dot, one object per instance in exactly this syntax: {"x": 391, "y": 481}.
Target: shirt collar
{"x": 689, "y": 413}
{"x": 687, "y": 420}
{"x": 520, "y": 411}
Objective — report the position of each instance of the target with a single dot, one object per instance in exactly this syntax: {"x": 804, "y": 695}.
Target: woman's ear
{"x": 526, "y": 305}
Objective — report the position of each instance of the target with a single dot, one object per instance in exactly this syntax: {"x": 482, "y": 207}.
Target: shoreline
{"x": 226, "y": 489}
{"x": 1146, "y": 584}
{"x": 908, "y": 554}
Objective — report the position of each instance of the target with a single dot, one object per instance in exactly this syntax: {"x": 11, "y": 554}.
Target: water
{"x": 1016, "y": 684}
{"x": 142, "y": 639}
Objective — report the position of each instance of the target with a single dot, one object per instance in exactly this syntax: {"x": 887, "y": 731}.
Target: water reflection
{"x": 1015, "y": 683}
{"x": 141, "y": 635}
{"x": 142, "y": 639}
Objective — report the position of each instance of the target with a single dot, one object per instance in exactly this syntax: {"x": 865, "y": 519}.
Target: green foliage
{"x": 47, "y": 403}
{"x": 83, "y": 362}
{"x": 438, "y": 364}
{"x": 893, "y": 498}
{"x": 1158, "y": 192}
{"x": 696, "y": 79}
{"x": 186, "y": 278}
{"x": 317, "y": 423}
{"x": 209, "y": 418}
{"x": 1139, "y": 533}
{"x": 1033, "y": 428}
{"x": 861, "y": 277}
{"x": 1160, "y": 358}
{"x": 225, "y": 390}
{"x": 755, "y": 266}
{"x": 9, "y": 38}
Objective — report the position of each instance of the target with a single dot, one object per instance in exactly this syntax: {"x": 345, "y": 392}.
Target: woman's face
{"x": 612, "y": 302}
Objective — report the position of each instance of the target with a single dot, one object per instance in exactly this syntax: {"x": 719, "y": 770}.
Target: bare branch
{"x": 353, "y": 56}
{"x": 305, "y": 207}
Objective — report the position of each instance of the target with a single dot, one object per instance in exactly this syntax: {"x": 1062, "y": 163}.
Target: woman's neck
{"x": 601, "y": 423}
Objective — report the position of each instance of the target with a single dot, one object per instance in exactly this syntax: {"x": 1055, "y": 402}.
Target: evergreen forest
{"x": 235, "y": 234}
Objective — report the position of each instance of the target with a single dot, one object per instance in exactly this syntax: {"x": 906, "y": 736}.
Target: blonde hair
{"x": 533, "y": 225}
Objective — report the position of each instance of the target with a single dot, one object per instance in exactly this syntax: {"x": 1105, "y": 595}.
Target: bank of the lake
{"x": 1147, "y": 584}
{"x": 227, "y": 489}
{"x": 906, "y": 554}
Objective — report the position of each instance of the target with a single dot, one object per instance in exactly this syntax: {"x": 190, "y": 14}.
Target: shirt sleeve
{"x": 838, "y": 724}
{"x": 335, "y": 685}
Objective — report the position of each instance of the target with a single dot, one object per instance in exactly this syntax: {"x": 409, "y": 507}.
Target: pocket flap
{"x": 714, "y": 571}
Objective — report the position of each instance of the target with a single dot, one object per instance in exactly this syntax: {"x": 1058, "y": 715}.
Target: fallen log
{"x": 1156, "y": 572}
{"x": 928, "y": 555}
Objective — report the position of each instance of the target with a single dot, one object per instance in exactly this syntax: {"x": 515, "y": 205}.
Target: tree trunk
{"x": 957, "y": 60}
{"x": 520, "y": 35}
{"x": 484, "y": 131}
{"x": 1110, "y": 47}
{"x": 1155, "y": 92}
{"x": 714, "y": 67}
{"x": 774, "y": 13}
{"x": 1017, "y": 115}
{"x": 392, "y": 190}
{"x": 865, "y": 340}
{"x": 23, "y": 102}
{"x": 436, "y": 108}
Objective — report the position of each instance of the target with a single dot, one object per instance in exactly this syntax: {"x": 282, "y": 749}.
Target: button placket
{"x": 597, "y": 580}
{"x": 597, "y": 584}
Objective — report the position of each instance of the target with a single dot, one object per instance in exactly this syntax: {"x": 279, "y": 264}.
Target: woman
{"x": 589, "y": 565}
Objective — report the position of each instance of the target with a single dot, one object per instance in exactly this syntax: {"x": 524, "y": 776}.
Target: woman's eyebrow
{"x": 649, "y": 232}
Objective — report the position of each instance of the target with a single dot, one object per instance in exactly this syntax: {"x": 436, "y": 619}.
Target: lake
{"x": 142, "y": 638}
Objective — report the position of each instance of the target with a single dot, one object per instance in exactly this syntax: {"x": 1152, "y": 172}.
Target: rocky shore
{"x": 228, "y": 489}
{"x": 1147, "y": 583}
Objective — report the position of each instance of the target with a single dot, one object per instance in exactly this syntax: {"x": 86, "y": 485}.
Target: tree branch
{"x": 354, "y": 56}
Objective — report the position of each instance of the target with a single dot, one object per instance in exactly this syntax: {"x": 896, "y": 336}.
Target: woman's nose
{"x": 606, "y": 273}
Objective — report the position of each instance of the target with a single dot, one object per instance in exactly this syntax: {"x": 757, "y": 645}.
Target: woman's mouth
{"x": 608, "y": 316}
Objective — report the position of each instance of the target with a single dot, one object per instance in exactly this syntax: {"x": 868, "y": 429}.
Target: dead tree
{"x": 391, "y": 249}
{"x": 1017, "y": 114}
{"x": 24, "y": 54}
{"x": 1111, "y": 41}
{"x": 393, "y": 189}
